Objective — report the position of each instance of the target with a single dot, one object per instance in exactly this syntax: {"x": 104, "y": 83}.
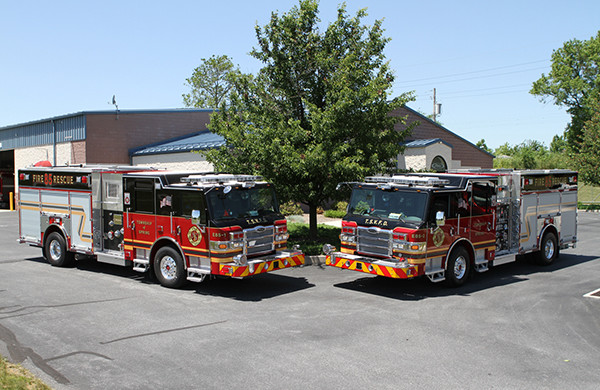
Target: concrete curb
{"x": 318, "y": 260}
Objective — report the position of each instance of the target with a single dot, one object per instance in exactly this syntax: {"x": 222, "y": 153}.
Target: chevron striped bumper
{"x": 278, "y": 261}
{"x": 372, "y": 266}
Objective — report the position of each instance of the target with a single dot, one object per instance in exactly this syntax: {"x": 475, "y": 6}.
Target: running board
{"x": 483, "y": 266}
{"x": 436, "y": 275}
{"x": 197, "y": 274}
{"x": 141, "y": 265}
{"x": 110, "y": 257}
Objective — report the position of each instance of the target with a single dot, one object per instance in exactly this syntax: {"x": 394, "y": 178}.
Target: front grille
{"x": 259, "y": 240}
{"x": 374, "y": 241}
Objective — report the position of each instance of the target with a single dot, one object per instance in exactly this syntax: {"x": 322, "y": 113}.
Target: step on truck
{"x": 446, "y": 225}
{"x": 178, "y": 225}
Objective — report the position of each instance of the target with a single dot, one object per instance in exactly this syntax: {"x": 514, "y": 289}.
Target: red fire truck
{"x": 446, "y": 225}
{"x": 179, "y": 225}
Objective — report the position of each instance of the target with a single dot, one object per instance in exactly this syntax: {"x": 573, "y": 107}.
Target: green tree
{"x": 482, "y": 145}
{"x": 558, "y": 144}
{"x": 317, "y": 112}
{"x": 587, "y": 161}
{"x": 530, "y": 154}
{"x": 573, "y": 80}
{"x": 210, "y": 83}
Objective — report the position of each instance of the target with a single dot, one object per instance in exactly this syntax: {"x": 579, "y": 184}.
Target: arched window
{"x": 439, "y": 164}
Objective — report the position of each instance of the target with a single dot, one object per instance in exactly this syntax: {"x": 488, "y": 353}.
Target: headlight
{"x": 240, "y": 259}
{"x": 328, "y": 249}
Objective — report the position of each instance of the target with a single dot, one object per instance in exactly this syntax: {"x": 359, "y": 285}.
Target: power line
{"x": 468, "y": 78}
{"x": 475, "y": 71}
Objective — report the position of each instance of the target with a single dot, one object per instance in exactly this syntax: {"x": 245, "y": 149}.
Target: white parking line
{"x": 593, "y": 294}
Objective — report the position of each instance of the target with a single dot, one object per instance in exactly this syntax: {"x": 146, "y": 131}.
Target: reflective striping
{"x": 242, "y": 271}
{"x": 372, "y": 268}
{"x": 62, "y": 209}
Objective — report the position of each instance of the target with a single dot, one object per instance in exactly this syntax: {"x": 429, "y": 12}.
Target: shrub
{"x": 291, "y": 208}
{"x": 299, "y": 234}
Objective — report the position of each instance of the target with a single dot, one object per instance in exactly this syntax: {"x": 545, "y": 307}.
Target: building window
{"x": 439, "y": 164}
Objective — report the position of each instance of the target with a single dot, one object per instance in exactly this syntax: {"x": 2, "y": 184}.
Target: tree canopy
{"x": 587, "y": 161}
{"x": 530, "y": 154}
{"x": 317, "y": 112}
{"x": 210, "y": 83}
{"x": 572, "y": 82}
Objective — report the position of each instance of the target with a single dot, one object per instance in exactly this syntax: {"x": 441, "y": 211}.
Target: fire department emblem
{"x": 438, "y": 237}
{"x": 194, "y": 236}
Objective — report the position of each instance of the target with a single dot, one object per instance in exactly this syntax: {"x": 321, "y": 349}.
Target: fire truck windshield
{"x": 404, "y": 206}
{"x": 226, "y": 203}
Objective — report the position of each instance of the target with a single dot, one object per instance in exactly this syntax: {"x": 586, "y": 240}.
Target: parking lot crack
{"x": 162, "y": 332}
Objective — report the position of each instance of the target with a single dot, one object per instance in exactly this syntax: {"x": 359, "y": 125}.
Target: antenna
{"x": 114, "y": 102}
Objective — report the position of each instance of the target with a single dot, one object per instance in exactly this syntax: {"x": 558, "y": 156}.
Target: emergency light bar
{"x": 220, "y": 178}
{"x": 408, "y": 180}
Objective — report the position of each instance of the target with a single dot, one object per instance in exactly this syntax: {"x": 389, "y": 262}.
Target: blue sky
{"x": 61, "y": 57}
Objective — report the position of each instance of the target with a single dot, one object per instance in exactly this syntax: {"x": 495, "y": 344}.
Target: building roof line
{"x": 108, "y": 112}
{"x": 445, "y": 129}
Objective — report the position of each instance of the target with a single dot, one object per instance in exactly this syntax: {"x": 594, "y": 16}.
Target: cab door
{"x": 140, "y": 213}
{"x": 483, "y": 229}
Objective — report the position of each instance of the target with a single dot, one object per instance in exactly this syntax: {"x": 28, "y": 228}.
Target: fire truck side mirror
{"x": 196, "y": 217}
{"x": 440, "y": 218}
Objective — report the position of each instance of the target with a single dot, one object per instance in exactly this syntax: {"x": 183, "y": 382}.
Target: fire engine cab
{"x": 179, "y": 225}
{"x": 446, "y": 225}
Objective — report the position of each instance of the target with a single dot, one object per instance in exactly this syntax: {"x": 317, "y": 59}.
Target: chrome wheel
{"x": 55, "y": 252}
{"x": 460, "y": 267}
{"x": 549, "y": 249}
{"x": 168, "y": 267}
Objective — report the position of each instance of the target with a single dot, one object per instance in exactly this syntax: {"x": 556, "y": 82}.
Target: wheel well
{"x": 462, "y": 244}
{"x": 161, "y": 243}
{"x": 53, "y": 229}
{"x": 548, "y": 228}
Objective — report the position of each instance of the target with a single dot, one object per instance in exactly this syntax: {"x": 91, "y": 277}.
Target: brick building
{"x": 91, "y": 137}
{"x": 431, "y": 142}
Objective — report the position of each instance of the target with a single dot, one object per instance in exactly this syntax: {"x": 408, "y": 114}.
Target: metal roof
{"x": 197, "y": 141}
{"x": 421, "y": 143}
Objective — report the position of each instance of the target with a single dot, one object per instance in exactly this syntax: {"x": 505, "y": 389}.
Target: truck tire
{"x": 169, "y": 268}
{"x": 548, "y": 250}
{"x": 458, "y": 267}
{"x": 56, "y": 251}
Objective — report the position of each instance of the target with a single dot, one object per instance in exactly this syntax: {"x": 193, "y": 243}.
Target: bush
{"x": 338, "y": 210}
{"x": 334, "y": 213}
{"x": 326, "y": 235}
{"x": 291, "y": 208}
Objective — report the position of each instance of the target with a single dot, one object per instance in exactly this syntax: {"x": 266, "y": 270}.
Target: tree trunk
{"x": 312, "y": 221}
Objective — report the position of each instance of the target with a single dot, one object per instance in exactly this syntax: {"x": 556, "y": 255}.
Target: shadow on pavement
{"x": 254, "y": 288}
{"x": 422, "y": 288}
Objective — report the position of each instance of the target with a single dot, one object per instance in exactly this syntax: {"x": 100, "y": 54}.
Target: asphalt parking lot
{"x": 97, "y": 326}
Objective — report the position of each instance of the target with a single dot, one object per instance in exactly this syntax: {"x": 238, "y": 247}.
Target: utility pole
{"x": 434, "y": 105}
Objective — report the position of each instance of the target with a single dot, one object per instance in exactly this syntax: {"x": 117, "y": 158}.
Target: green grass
{"x": 15, "y": 377}
{"x": 325, "y": 235}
